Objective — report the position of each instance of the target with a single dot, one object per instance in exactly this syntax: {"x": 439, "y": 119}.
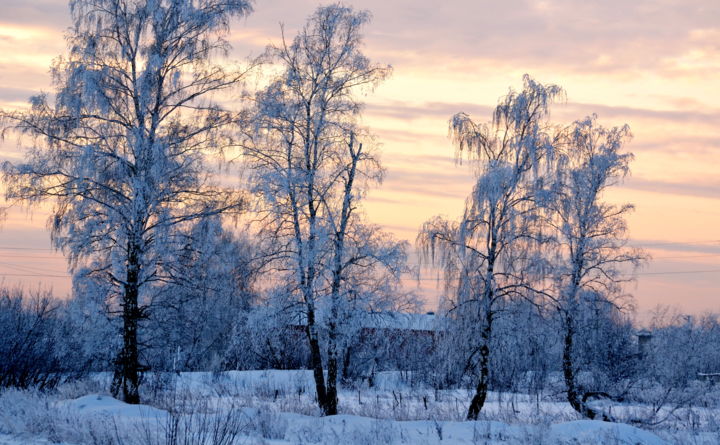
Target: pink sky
{"x": 652, "y": 64}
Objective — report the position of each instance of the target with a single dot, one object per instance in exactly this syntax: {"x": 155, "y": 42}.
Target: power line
{"x": 30, "y": 257}
{"x": 671, "y": 272}
{"x": 26, "y": 248}
{"x": 651, "y": 244}
{"x": 685, "y": 256}
{"x": 32, "y": 275}
{"x": 679, "y": 272}
{"x": 25, "y": 268}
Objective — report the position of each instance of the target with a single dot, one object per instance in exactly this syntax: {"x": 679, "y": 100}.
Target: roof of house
{"x": 401, "y": 321}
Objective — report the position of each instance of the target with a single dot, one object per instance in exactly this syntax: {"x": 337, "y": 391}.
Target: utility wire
{"x": 679, "y": 272}
{"x": 671, "y": 272}
{"x": 32, "y": 275}
{"x": 652, "y": 244}
{"x": 28, "y": 256}
{"x": 27, "y": 269}
{"x": 686, "y": 256}
{"x": 26, "y": 248}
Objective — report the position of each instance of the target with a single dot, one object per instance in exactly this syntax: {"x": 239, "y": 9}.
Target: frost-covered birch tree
{"x": 121, "y": 149}
{"x": 489, "y": 255}
{"x": 593, "y": 258}
{"x": 313, "y": 164}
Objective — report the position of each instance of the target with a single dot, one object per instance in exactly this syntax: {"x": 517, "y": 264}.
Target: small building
{"x": 644, "y": 338}
{"x": 711, "y": 377}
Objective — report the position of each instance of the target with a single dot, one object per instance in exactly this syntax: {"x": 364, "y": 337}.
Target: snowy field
{"x": 277, "y": 407}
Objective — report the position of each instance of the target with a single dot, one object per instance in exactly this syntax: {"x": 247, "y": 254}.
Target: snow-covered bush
{"x": 35, "y": 350}
{"x": 269, "y": 424}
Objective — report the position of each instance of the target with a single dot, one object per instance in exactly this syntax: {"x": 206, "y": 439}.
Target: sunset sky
{"x": 653, "y": 64}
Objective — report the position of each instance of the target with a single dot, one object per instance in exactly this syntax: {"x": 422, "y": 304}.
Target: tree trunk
{"x": 331, "y": 401}
{"x": 330, "y": 408}
{"x": 127, "y": 364}
{"x": 478, "y": 400}
{"x": 325, "y": 404}
{"x": 331, "y": 405}
{"x": 573, "y": 396}
{"x": 347, "y": 352}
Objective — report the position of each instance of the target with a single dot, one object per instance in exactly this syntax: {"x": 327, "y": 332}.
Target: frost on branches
{"x": 489, "y": 255}
{"x": 590, "y": 241}
{"x": 312, "y": 164}
{"x": 121, "y": 149}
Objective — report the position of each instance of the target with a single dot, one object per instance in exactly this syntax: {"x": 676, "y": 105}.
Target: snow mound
{"x": 598, "y": 432}
{"x": 106, "y": 405}
{"x": 293, "y": 428}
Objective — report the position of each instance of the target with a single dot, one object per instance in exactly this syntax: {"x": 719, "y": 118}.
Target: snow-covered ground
{"x": 277, "y": 407}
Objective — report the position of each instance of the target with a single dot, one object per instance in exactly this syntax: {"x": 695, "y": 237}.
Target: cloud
{"x": 611, "y": 36}
{"x": 10, "y": 94}
{"x": 432, "y": 161}
{"x": 701, "y": 149}
{"x": 387, "y": 134}
{"x": 412, "y": 111}
{"x": 385, "y": 200}
{"x": 650, "y": 63}
{"x": 707, "y": 246}
{"x": 703, "y": 190}
{"x": 687, "y": 115}
{"x": 53, "y": 14}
